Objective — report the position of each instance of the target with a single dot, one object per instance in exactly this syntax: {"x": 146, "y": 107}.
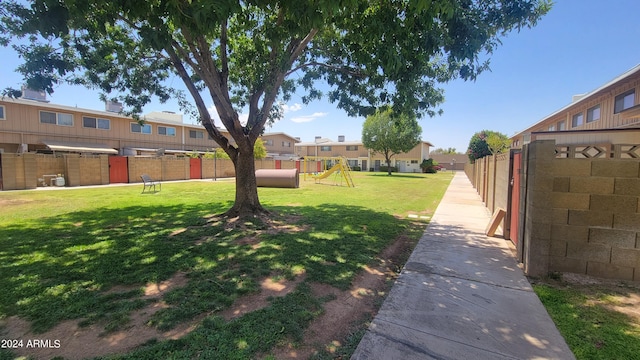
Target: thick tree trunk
{"x": 246, "y": 203}
{"x": 388, "y": 164}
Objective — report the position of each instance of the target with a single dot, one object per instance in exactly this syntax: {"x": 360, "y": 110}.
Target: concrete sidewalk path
{"x": 461, "y": 295}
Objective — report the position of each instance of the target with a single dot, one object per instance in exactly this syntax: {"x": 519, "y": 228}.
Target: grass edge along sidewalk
{"x": 85, "y": 255}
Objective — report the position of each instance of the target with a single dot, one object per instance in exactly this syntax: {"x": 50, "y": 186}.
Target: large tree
{"x": 249, "y": 55}
{"x": 487, "y": 142}
{"x": 389, "y": 134}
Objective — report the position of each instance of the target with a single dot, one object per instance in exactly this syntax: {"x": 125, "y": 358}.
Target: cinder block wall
{"x": 490, "y": 177}
{"x": 19, "y": 171}
{"x": 265, "y": 164}
{"x": 94, "y": 170}
{"x": 140, "y": 165}
{"x": 582, "y": 215}
{"x": 49, "y": 165}
{"x": 218, "y": 168}
{"x": 174, "y": 168}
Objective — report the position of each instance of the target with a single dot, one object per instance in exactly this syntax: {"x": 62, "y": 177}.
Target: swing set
{"x": 336, "y": 165}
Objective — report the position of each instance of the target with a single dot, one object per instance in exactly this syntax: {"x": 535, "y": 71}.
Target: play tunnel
{"x": 284, "y": 178}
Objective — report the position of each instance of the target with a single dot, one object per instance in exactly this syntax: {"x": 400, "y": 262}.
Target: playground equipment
{"x": 339, "y": 167}
{"x": 284, "y": 178}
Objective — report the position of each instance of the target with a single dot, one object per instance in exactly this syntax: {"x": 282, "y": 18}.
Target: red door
{"x": 515, "y": 197}
{"x": 118, "y": 170}
{"x": 278, "y": 164}
{"x": 195, "y": 171}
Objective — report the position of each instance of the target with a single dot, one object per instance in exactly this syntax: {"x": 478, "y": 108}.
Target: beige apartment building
{"x": 359, "y": 157}
{"x": 612, "y": 106}
{"x": 28, "y": 125}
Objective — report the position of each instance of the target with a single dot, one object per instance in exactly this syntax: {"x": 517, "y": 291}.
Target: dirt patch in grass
{"x": 13, "y": 202}
{"x": 343, "y": 314}
{"x": 616, "y": 295}
{"x": 621, "y": 296}
{"x": 78, "y": 342}
{"x": 268, "y": 288}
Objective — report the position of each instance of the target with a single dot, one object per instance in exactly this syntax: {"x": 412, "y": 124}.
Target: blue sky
{"x": 578, "y": 46}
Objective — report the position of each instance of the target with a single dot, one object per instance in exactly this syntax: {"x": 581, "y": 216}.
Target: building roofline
{"x": 338, "y": 143}
{"x": 282, "y": 133}
{"x": 52, "y": 106}
{"x": 584, "y": 97}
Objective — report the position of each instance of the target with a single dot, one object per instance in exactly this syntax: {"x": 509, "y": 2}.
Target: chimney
{"x": 30, "y": 94}
{"x": 340, "y": 138}
{"x": 317, "y": 138}
{"x": 578, "y": 97}
{"x": 113, "y": 106}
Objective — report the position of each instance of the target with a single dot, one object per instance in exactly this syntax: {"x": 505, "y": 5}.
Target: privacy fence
{"x": 578, "y": 206}
{"x": 29, "y": 171}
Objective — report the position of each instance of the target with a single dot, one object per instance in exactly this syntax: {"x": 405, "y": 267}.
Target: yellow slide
{"x": 326, "y": 174}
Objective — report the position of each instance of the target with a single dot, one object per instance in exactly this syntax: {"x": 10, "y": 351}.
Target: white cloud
{"x": 291, "y": 108}
{"x": 308, "y": 118}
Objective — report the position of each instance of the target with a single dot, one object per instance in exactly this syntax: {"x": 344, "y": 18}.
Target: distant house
{"x": 451, "y": 161}
{"x": 280, "y": 146}
{"x": 358, "y": 156}
{"x": 34, "y": 125}
{"x": 612, "y": 106}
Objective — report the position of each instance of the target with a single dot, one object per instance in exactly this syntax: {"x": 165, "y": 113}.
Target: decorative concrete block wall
{"x": 582, "y": 214}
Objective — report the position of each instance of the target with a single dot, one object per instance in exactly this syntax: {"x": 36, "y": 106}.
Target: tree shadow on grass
{"x": 63, "y": 267}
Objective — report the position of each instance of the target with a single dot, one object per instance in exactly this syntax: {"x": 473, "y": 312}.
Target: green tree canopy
{"x": 389, "y": 134}
{"x": 487, "y": 142}
{"x": 442, "y": 151}
{"x": 249, "y": 55}
{"x": 259, "y": 150}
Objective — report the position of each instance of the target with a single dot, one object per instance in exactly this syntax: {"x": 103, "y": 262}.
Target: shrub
{"x": 430, "y": 166}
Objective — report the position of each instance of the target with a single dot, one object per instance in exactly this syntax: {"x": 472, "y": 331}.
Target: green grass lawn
{"x": 62, "y": 251}
{"x": 595, "y": 318}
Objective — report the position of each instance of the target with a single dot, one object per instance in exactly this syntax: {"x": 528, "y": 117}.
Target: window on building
{"x": 142, "y": 129}
{"x": 166, "y": 130}
{"x": 414, "y": 161}
{"x": 561, "y": 126}
{"x": 268, "y": 142}
{"x": 96, "y": 123}
{"x": 286, "y": 143}
{"x": 2, "y": 117}
{"x": 325, "y": 148}
{"x": 551, "y": 128}
{"x": 577, "y": 120}
{"x": 352, "y": 147}
{"x": 195, "y": 134}
{"x": 48, "y": 117}
{"x": 593, "y": 114}
{"x": 624, "y": 101}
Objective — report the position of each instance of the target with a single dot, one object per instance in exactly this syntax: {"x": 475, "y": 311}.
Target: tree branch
{"x": 341, "y": 69}
{"x": 205, "y": 117}
{"x": 224, "y": 39}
